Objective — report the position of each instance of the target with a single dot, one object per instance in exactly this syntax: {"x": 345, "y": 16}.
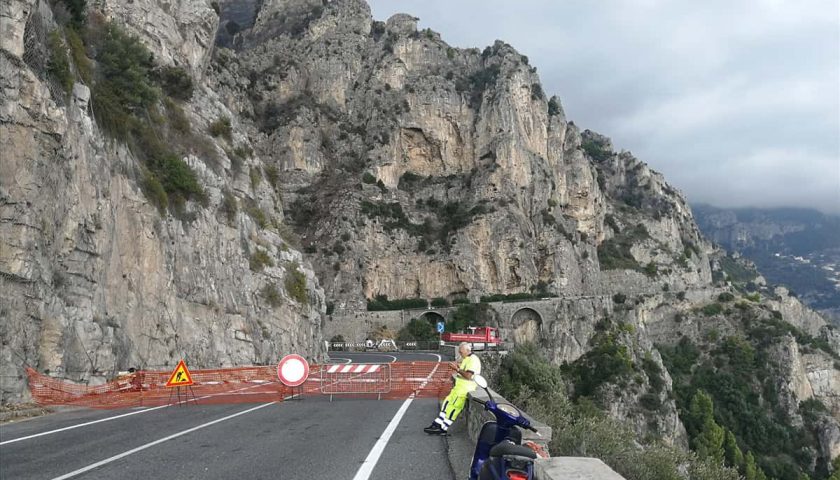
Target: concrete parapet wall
{"x": 574, "y": 468}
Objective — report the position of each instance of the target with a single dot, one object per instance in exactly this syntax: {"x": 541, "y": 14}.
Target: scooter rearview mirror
{"x": 480, "y": 381}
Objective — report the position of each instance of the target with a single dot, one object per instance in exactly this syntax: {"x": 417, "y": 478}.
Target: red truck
{"x": 480, "y": 337}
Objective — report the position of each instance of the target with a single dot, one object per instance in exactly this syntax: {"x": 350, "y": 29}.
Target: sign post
{"x": 292, "y": 371}
{"x": 440, "y": 328}
{"x": 181, "y": 378}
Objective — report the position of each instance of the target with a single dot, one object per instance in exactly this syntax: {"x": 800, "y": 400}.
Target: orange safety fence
{"x": 255, "y": 384}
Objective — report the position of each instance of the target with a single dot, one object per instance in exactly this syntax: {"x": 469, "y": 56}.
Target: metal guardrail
{"x": 426, "y": 345}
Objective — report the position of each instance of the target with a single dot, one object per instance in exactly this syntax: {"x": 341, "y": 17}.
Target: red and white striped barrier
{"x": 356, "y": 379}
{"x": 365, "y": 368}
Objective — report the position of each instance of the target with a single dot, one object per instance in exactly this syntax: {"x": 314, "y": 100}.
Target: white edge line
{"x": 373, "y": 457}
{"x": 366, "y": 469}
{"x": 156, "y": 442}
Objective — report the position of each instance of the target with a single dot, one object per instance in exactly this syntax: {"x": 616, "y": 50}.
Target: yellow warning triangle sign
{"x": 180, "y": 376}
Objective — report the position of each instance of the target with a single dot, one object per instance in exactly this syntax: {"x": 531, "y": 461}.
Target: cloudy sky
{"x": 737, "y": 102}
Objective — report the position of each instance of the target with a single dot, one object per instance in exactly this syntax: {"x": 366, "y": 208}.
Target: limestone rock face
{"x": 179, "y": 32}
{"x": 93, "y": 279}
{"x": 477, "y": 182}
{"x": 13, "y": 16}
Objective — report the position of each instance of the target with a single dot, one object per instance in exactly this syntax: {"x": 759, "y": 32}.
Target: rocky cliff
{"x": 93, "y": 278}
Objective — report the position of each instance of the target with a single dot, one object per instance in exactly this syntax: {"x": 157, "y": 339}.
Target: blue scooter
{"x": 499, "y": 454}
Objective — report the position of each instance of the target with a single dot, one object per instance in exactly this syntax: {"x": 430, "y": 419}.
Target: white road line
{"x": 370, "y": 462}
{"x": 373, "y": 457}
{"x": 71, "y": 427}
{"x": 342, "y": 358}
{"x": 156, "y": 442}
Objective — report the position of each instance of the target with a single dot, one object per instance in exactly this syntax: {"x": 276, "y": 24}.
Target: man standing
{"x": 457, "y": 398}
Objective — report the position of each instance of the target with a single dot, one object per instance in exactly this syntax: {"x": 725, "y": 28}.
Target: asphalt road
{"x": 311, "y": 438}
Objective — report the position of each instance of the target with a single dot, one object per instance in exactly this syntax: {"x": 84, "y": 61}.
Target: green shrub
{"x": 440, "y": 302}
{"x": 259, "y": 260}
{"x": 154, "y": 191}
{"x": 607, "y": 362}
{"x": 221, "y": 127}
{"x": 176, "y": 82}
{"x": 368, "y": 178}
{"x": 712, "y": 309}
{"x": 58, "y": 65}
{"x": 228, "y": 206}
{"x": 272, "y": 175}
{"x": 381, "y": 302}
{"x": 330, "y": 310}
{"x": 272, "y": 295}
{"x": 417, "y": 330}
{"x": 554, "y": 107}
{"x": 619, "y": 298}
{"x": 537, "y": 92}
{"x": 256, "y": 213}
{"x": 256, "y": 177}
{"x": 295, "y": 283}
{"x": 177, "y": 118}
{"x": 614, "y": 253}
{"x": 178, "y": 178}
{"x": 125, "y": 66}
{"x": 651, "y": 270}
{"x": 514, "y": 297}
{"x": 80, "y": 59}
{"x": 596, "y": 150}
{"x": 726, "y": 297}
{"x": 78, "y": 12}
{"x": 461, "y": 301}
{"x": 525, "y": 367}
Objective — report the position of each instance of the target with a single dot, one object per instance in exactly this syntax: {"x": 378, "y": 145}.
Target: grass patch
{"x": 295, "y": 284}
{"x": 221, "y": 127}
{"x": 272, "y": 295}
{"x": 259, "y": 260}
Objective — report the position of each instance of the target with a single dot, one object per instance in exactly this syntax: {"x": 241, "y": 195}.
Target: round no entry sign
{"x": 292, "y": 370}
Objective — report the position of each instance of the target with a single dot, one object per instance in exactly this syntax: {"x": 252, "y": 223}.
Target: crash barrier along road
{"x": 254, "y": 384}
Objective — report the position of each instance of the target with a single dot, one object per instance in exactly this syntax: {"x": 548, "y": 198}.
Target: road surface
{"x": 311, "y": 438}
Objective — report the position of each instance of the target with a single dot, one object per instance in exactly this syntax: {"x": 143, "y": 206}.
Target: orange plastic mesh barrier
{"x": 255, "y": 384}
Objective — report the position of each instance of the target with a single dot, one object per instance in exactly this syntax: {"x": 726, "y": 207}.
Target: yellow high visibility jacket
{"x": 473, "y": 364}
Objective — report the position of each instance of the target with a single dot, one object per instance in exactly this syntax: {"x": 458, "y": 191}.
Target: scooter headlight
{"x": 509, "y": 409}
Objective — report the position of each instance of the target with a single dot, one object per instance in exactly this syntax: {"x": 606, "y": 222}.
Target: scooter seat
{"x": 507, "y": 448}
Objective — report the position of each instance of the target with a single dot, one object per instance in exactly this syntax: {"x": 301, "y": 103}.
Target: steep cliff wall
{"x": 93, "y": 279}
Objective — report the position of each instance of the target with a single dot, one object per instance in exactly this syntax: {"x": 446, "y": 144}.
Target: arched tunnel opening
{"x": 526, "y": 324}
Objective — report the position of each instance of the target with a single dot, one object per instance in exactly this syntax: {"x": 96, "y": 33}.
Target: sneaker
{"x": 434, "y": 429}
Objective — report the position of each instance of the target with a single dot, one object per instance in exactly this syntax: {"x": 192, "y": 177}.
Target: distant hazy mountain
{"x": 796, "y": 247}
